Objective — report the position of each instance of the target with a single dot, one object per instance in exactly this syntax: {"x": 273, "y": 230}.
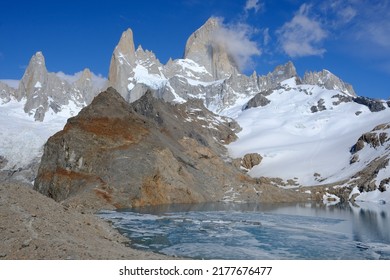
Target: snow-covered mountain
{"x": 305, "y": 134}
{"x": 309, "y": 131}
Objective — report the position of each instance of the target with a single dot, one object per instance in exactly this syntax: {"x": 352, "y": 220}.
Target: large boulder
{"x": 259, "y": 100}
{"x": 248, "y": 161}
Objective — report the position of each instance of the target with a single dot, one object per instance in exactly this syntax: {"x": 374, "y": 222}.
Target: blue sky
{"x": 351, "y": 38}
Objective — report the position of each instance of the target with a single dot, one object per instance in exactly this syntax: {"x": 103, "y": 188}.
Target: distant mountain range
{"x": 294, "y": 131}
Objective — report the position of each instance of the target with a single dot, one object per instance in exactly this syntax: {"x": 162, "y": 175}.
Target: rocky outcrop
{"x": 341, "y": 98}
{"x": 375, "y": 138}
{"x": 328, "y": 80}
{"x": 145, "y": 153}
{"x": 367, "y": 179}
{"x": 319, "y": 107}
{"x": 372, "y": 104}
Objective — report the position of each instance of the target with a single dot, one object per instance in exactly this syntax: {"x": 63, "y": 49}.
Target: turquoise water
{"x": 259, "y": 231}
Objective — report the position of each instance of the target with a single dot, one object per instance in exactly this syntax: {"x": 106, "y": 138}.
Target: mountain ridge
{"x": 194, "y": 76}
{"x": 290, "y": 123}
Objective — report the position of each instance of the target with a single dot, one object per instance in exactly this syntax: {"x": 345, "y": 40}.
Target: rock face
{"x": 145, "y": 153}
{"x": 122, "y": 63}
{"x": 204, "y": 48}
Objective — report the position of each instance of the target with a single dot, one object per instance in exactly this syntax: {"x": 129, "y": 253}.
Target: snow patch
{"x": 330, "y": 199}
{"x": 375, "y": 196}
{"x": 154, "y": 81}
{"x": 22, "y": 139}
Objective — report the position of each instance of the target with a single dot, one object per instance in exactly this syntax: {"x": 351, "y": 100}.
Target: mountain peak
{"x": 287, "y": 70}
{"x": 212, "y": 21}
{"x": 126, "y": 43}
{"x": 34, "y": 77}
{"x": 38, "y": 58}
{"x": 37, "y": 61}
{"x": 203, "y": 48}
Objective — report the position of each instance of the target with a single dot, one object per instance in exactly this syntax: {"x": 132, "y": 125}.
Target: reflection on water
{"x": 371, "y": 221}
{"x": 259, "y": 231}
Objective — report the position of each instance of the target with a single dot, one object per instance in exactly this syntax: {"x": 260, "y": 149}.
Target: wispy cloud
{"x": 236, "y": 39}
{"x": 337, "y": 13}
{"x": 255, "y": 5}
{"x": 303, "y": 35}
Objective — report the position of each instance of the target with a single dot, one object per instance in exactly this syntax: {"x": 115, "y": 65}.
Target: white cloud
{"x": 236, "y": 39}
{"x": 252, "y": 4}
{"x": 266, "y": 37}
{"x": 303, "y": 35}
{"x": 346, "y": 14}
{"x": 98, "y": 80}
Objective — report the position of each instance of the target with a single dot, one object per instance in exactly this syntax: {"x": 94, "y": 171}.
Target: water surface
{"x": 259, "y": 231}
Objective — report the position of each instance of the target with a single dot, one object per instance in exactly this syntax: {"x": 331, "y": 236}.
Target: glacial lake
{"x": 259, "y": 231}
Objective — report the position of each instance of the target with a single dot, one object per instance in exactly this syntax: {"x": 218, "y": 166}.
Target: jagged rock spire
{"x": 34, "y": 78}
{"x": 126, "y": 60}
{"x": 122, "y": 63}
